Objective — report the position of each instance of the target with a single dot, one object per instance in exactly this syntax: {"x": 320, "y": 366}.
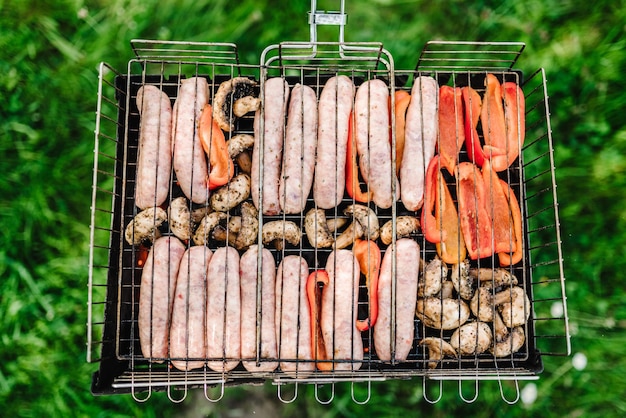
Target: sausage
{"x": 223, "y": 313}
{"x": 372, "y": 123}
{"x": 269, "y": 158}
{"x": 299, "y": 151}
{"x": 190, "y": 163}
{"x": 407, "y": 253}
{"x": 339, "y": 311}
{"x": 156, "y": 296}
{"x": 334, "y": 108}
{"x": 187, "y": 340}
{"x": 293, "y": 318}
{"x": 250, "y": 309}
{"x": 154, "y": 160}
{"x": 420, "y": 139}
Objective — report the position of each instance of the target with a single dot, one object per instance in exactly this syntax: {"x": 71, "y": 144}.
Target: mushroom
{"x": 443, "y": 314}
{"x": 249, "y": 226}
{"x": 447, "y": 290}
{"x": 207, "y": 224}
{"x": 145, "y": 226}
{"x": 493, "y": 278}
{"x": 232, "y": 194}
{"x": 244, "y": 161}
{"x": 405, "y": 226}
{"x": 514, "y": 306}
{"x": 198, "y": 213}
{"x": 281, "y": 231}
{"x": 482, "y": 305}
{"x": 435, "y": 273}
{"x": 472, "y": 338}
{"x": 228, "y": 233}
{"x": 365, "y": 224}
{"x": 506, "y": 342}
{"x": 229, "y": 92}
{"x": 179, "y": 218}
{"x": 461, "y": 279}
{"x": 239, "y": 143}
{"x": 437, "y": 349}
{"x": 316, "y": 228}
{"x": 246, "y": 105}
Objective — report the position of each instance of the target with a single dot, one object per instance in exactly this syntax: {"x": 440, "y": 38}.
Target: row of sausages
{"x": 200, "y": 307}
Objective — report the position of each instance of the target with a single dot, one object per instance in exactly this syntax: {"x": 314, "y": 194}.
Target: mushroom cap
{"x": 179, "y": 218}
{"x": 512, "y": 344}
{"x": 316, "y": 228}
{"x": 437, "y": 349}
{"x": 281, "y": 231}
{"x": 366, "y": 217}
{"x": 516, "y": 310}
{"x": 145, "y": 226}
{"x": 405, "y": 226}
{"x": 207, "y": 224}
{"x": 227, "y": 94}
{"x": 435, "y": 273}
{"x": 463, "y": 283}
{"x": 442, "y": 313}
{"x": 482, "y": 304}
{"x": 472, "y": 338}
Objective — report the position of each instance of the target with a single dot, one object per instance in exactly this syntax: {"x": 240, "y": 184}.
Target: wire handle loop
{"x": 280, "y": 394}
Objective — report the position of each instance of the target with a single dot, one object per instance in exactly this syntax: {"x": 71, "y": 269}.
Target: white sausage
{"x": 223, "y": 319}
{"x": 154, "y": 161}
{"x": 299, "y": 151}
{"x": 371, "y": 113}
{"x": 339, "y": 311}
{"x": 334, "y": 110}
{"x": 187, "y": 340}
{"x": 249, "y": 309}
{"x": 156, "y": 297}
{"x": 407, "y": 253}
{"x": 190, "y": 163}
{"x": 293, "y": 320}
{"x": 269, "y": 158}
{"x": 419, "y": 140}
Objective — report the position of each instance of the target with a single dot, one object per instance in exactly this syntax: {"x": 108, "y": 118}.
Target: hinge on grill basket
{"x": 327, "y": 18}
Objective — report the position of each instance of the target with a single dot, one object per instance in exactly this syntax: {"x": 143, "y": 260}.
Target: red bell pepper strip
{"x": 352, "y": 168}
{"x": 492, "y": 118}
{"x": 514, "y": 123}
{"x": 511, "y": 257}
{"x": 368, "y": 255}
{"x": 429, "y": 223}
{"x": 475, "y": 219}
{"x": 472, "y": 104}
{"x": 213, "y": 142}
{"x": 315, "y": 307}
{"x": 451, "y": 126}
{"x": 403, "y": 98}
{"x": 452, "y": 249}
{"x": 498, "y": 206}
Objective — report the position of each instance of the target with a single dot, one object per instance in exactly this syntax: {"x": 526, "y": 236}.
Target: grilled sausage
{"x": 154, "y": 160}
{"x": 407, "y": 253}
{"x": 266, "y": 347}
{"x": 339, "y": 311}
{"x": 293, "y": 319}
{"x": 371, "y": 117}
{"x": 223, "y": 310}
{"x": 190, "y": 163}
{"x": 419, "y": 140}
{"x": 156, "y": 297}
{"x": 299, "y": 152}
{"x": 269, "y": 158}
{"x": 334, "y": 109}
{"x": 187, "y": 340}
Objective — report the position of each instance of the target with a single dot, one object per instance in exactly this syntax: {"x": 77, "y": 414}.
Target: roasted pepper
{"x": 475, "y": 220}
{"x": 472, "y": 104}
{"x": 429, "y": 223}
{"x": 513, "y": 256}
{"x": 498, "y": 207}
{"x": 402, "y": 98}
{"x": 313, "y": 282}
{"x": 368, "y": 256}
{"x": 352, "y": 168}
{"x": 451, "y": 126}
{"x": 514, "y": 123}
{"x": 492, "y": 117}
{"x": 221, "y": 167}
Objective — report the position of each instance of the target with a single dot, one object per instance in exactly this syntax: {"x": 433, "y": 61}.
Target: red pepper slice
{"x": 213, "y": 142}
{"x": 314, "y": 297}
{"x": 452, "y": 249}
{"x": 403, "y": 98}
{"x": 492, "y": 118}
{"x": 352, "y": 168}
{"x": 472, "y": 104}
{"x": 514, "y": 123}
{"x": 511, "y": 257}
{"x": 429, "y": 223}
{"x": 451, "y": 126}
{"x": 475, "y": 219}
{"x": 368, "y": 255}
{"x": 498, "y": 207}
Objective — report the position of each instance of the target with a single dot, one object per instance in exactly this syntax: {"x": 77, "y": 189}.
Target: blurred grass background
{"x": 49, "y": 53}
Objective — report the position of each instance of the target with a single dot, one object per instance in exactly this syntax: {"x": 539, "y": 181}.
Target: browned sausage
{"x": 154, "y": 160}
{"x": 156, "y": 297}
{"x": 187, "y": 339}
{"x": 407, "y": 253}
{"x": 250, "y": 345}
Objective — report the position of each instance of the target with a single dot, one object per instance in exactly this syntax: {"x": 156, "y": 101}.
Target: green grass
{"x": 49, "y": 53}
